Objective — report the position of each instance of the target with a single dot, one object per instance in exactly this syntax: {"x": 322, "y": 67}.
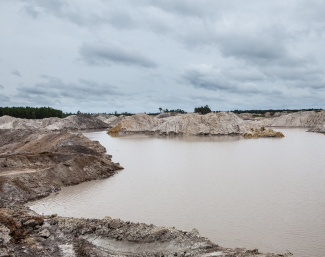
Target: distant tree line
{"x": 31, "y": 112}
{"x": 47, "y": 112}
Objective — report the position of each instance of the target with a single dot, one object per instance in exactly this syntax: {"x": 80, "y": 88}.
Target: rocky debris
{"x": 306, "y": 119}
{"x": 25, "y": 233}
{"x": 45, "y": 233}
{"x": 36, "y": 163}
{"x": 262, "y": 132}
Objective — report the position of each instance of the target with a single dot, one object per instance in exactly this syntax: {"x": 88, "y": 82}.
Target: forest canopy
{"x": 31, "y": 112}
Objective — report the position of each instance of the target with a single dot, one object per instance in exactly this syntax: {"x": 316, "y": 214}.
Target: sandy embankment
{"x": 314, "y": 120}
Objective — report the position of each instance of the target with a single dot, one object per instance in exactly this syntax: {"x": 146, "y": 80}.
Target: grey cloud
{"x": 4, "y": 98}
{"x": 304, "y": 76}
{"x": 65, "y": 10}
{"x": 1, "y": 86}
{"x": 16, "y": 73}
{"x": 248, "y": 82}
{"x": 55, "y": 88}
{"x": 212, "y": 78}
{"x": 99, "y": 54}
{"x": 31, "y": 11}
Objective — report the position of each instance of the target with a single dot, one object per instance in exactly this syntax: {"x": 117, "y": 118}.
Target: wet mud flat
{"x": 35, "y": 163}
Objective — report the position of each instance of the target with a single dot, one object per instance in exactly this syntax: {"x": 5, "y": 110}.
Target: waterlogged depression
{"x": 264, "y": 193}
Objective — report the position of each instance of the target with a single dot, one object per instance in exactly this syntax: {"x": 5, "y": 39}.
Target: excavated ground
{"x": 35, "y": 163}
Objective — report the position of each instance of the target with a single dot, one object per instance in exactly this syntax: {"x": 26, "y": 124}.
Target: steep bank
{"x": 222, "y": 123}
{"x": 36, "y": 163}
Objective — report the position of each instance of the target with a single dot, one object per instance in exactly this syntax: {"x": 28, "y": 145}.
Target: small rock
{"x": 30, "y": 223}
{"x": 45, "y": 233}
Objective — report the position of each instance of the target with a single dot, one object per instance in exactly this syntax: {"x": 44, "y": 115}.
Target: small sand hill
{"x": 81, "y": 122}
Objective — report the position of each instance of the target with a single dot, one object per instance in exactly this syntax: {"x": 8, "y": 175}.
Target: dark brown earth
{"x": 35, "y": 163}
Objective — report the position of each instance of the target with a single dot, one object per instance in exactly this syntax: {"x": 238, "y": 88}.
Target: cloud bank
{"x": 176, "y": 54}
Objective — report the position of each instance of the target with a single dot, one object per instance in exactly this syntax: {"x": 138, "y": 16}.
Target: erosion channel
{"x": 236, "y": 192}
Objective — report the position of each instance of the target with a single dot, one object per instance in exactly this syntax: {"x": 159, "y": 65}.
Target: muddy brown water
{"x": 263, "y": 193}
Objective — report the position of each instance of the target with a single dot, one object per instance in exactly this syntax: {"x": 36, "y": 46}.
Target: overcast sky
{"x": 139, "y": 55}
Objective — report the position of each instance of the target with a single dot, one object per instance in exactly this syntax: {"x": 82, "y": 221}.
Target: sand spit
{"x": 214, "y": 124}
{"x": 34, "y": 163}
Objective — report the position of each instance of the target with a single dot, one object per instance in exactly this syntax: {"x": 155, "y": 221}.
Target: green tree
{"x": 203, "y": 109}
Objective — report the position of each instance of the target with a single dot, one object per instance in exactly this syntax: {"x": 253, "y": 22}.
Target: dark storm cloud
{"x": 16, "y": 73}
{"x": 99, "y": 54}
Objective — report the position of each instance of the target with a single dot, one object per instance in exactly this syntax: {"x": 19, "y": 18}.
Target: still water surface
{"x": 263, "y": 193}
